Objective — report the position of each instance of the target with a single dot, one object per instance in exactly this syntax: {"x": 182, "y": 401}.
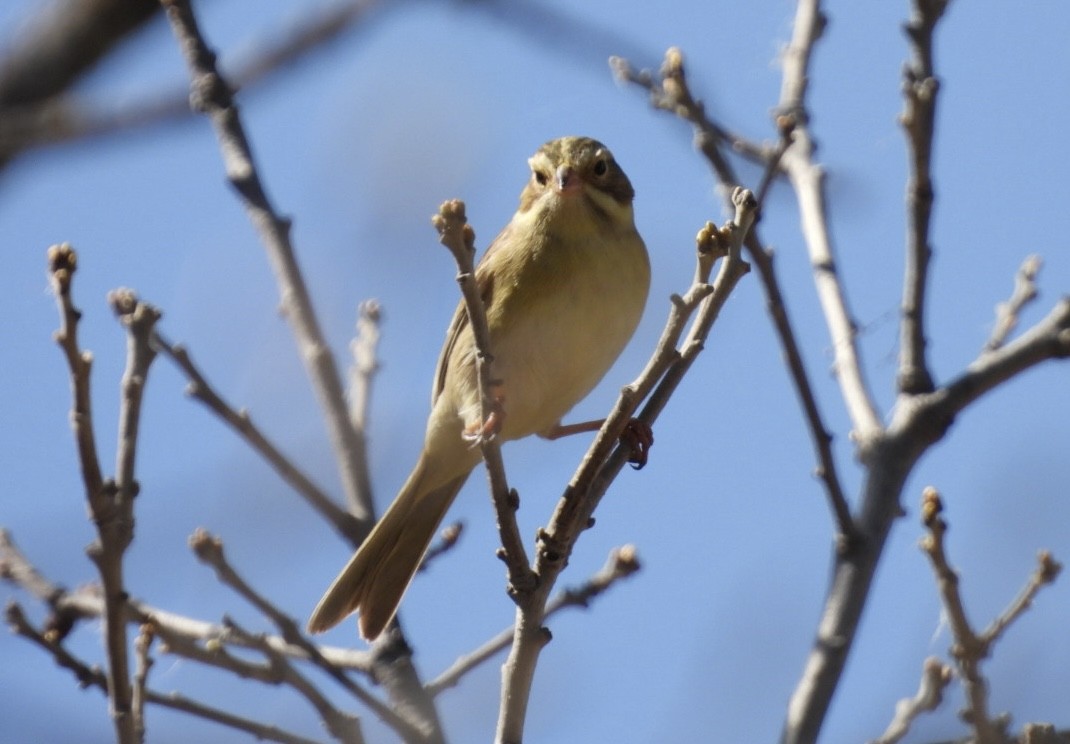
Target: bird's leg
{"x": 637, "y": 435}
{"x": 484, "y": 432}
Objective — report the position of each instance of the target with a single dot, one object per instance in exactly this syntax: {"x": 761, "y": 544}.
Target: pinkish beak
{"x": 566, "y": 180}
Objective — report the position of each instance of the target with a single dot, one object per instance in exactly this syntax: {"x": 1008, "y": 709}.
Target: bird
{"x": 564, "y": 286}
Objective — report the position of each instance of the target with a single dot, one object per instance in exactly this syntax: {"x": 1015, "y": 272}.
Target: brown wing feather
{"x": 485, "y": 283}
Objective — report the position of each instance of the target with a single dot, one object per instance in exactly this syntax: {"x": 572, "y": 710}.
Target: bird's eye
{"x": 600, "y": 167}
{"x": 541, "y": 178}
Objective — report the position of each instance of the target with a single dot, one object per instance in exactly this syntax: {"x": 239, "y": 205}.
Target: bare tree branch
{"x": 935, "y": 677}
{"x": 211, "y": 95}
{"x": 1025, "y": 291}
{"x": 969, "y": 650}
{"x": 458, "y": 236}
{"x": 64, "y": 42}
{"x": 46, "y": 115}
{"x": 86, "y": 603}
{"x": 808, "y": 180}
{"x": 242, "y": 423}
{"x": 364, "y": 348}
{"x": 209, "y": 549}
{"x": 621, "y": 564}
{"x": 111, "y": 501}
{"x": 143, "y": 663}
{"x": 92, "y": 677}
{"x": 604, "y": 460}
{"x": 343, "y": 726}
{"x": 920, "y": 88}
{"x": 671, "y": 92}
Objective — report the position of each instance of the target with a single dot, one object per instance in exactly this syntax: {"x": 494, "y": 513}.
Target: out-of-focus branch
{"x": 241, "y": 422}
{"x": 448, "y": 537}
{"x": 920, "y": 88}
{"x": 212, "y": 96}
{"x": 458, "y": 236}
{"x": 621, "y": 564}
{"x": 364, "y": 348}
{"x": 46, "y": 117}
{"x": 935, "y": 678}
{"x": 88, "y": 676}
{"x": 605, "y": 458}
{"x": 65, "y": 41}
{"x": 1007, "y": 313}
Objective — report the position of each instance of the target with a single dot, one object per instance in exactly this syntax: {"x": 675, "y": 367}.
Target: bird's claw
{"x": 640, "y": 438}
{"x": 478, "y": 434}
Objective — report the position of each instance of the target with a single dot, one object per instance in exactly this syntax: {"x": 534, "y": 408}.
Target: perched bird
{"x": 564, "y": 286}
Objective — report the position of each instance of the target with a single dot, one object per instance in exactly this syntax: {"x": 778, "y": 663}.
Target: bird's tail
{"x": 376, "y": 577}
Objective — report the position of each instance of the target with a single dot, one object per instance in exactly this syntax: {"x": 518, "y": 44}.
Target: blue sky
{"x": 433, "y": 101}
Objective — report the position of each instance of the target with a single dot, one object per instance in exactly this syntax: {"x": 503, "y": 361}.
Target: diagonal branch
{"x": 920, "y": 88}
{"x": 209, "y": 549}
{"x": 808, "y": 181}
{"x": 935, "y": 678}
{"x": 672, "y": 93}
{"x": 605, "y": 458}
{"x": 242, "y": 423}
{"x": 1048, "y": 339}
{"x": 86, "y": 603}
{"x": 1025, "y": 291}
{"x": 211, "y": 95}
{"x": 38, "y": 111}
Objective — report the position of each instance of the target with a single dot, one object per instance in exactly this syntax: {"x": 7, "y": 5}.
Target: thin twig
{"x": 143, "y": 663}
{"x": 86, "y": 603}
{"x": 808, "y": 180}
{"x": 448, "y": 537}
{"x": 920, "y": 88}
{"x": 680, "y": 103}
{"x": 110, "y": 501}
{"x": 672, "y": 84}
{"x": 458, "y": 236}
{"x": 1048, "y": 569}
{"x": 212, "y": 96}
{"x": 209, "y": 549}
{"x": 935, "y": 678}
{"x": 622, "y": 563}
{"x": 364, "y": 347}
{"x": 969, "y": 649}
{"x": 350, "y": 528}
{"x": 1007, "y": 313}
{"x": 343, "y": 726}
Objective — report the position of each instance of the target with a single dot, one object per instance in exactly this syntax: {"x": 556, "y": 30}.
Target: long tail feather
{"x": 376, "y": 577}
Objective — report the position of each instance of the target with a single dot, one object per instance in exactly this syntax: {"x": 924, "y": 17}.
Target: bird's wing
{"x": 485, "y": 283}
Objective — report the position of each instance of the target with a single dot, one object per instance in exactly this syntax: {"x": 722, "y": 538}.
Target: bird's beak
{"x": 566, "y": 180}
